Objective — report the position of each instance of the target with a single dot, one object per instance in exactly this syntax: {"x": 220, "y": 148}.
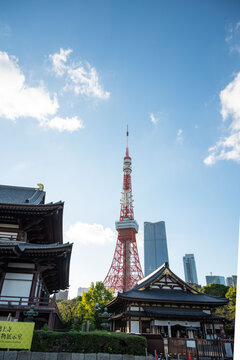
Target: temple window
{"x": 16, "y": 285}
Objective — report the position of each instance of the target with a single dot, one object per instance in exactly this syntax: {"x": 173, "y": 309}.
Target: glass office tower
{"x": 190, "y": 269}
{"x": 215, "y": 279}
{"x": 155, "y": 246}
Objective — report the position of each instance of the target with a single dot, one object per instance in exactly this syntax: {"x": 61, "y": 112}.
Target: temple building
{"x": 34, "y": 262}
{"x": 163, "y": 304}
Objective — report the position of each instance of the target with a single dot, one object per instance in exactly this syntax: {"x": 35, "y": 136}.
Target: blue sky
{"x": 74, "y": 74}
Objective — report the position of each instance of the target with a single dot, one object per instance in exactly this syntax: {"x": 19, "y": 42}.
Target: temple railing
{"x": 9, "y": 234}
{"x": 22, "y": 301}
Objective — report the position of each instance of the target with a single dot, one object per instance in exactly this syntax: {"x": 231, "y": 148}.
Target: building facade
{"x": 163, "y": 304}
{"x": 81, "y": 290}
{"x": 190, "y": 270}
{"x": 62, "y": 295}
{"x": 34, "y": 261}
{"x": 231, "y": 280}
{"x": 215, "y": 279}
{"x": 155, "y": 246}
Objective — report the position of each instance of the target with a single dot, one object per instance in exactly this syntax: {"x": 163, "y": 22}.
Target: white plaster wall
{"x": 176, "y": 322}
{"x": 135, "y": 327}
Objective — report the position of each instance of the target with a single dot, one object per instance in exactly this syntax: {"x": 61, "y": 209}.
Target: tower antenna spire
{"x": 127, "y": 148}
{"x": 125, "y": 270}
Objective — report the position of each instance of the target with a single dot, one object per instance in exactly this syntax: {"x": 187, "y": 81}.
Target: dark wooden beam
{"x": 30, "y": 224}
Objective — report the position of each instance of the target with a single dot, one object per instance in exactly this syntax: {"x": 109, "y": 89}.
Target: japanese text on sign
{"x": 16, "y": 335}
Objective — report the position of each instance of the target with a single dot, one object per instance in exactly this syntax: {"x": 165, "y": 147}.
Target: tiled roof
{"x": 179, "y": 296}
{"x": 27, "y": 246}
{"x": 21, "y": 195}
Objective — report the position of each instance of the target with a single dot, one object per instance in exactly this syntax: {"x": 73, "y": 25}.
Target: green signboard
{"x": 16, "y": 335}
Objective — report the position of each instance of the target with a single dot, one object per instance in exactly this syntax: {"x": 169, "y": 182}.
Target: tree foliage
{"x": 67, "y": 311}
{"x": 88, "y": 307}
{"x": 226, "y": 311}
{"x": 231, "y": 295}
{"x": 92, "y": 302}
{"x": 215, "y": 290}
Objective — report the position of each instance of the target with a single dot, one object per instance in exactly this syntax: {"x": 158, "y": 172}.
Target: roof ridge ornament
{"x": 40, "y": 187}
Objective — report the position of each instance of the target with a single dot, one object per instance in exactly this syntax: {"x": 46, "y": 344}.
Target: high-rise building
{"x": 190, "y": 269}
{"x": 215, "y": 279}
{"x": 62, "y": 295}
{"x": 81, "y": 290}
{"x": 231, "y": 280}
{"x": 155, "y": 246}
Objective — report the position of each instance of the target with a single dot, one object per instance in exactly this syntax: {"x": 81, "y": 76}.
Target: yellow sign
{"x": 16, "y": 335}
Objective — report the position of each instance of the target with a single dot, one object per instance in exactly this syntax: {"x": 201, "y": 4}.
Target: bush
{"x": 88, "y": 342}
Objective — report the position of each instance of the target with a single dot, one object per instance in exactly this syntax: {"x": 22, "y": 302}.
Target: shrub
{"x": 88, "y": 342}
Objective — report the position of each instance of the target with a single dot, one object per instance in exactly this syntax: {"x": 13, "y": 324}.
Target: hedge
{"x": 89, "y": 342}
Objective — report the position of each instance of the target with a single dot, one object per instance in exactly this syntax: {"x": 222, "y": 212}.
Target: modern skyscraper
{"x": 81, "y": 290}
{"x": 229, "y": 281}
{"x": 155, "y": 246}
{"x": 190, "y": 269}
{"x": 62, "y": 295}
{"x": 215, "y": 279}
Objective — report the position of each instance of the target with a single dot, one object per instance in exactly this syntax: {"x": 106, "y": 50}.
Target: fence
{"x": 199, "y": 349}
{"x": 22, "y": 301}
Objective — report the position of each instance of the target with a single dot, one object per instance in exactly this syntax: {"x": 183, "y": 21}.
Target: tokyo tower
{"x": 125, "y": 269}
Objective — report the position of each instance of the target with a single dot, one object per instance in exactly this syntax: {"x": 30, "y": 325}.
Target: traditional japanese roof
{"x": 175, "y": 312}
{"x": 168, "y": 313}
{"x": 163, "y": 286}
{"x": 53, "y": 260}
{"x": 21, "y": 195}
{"x": 42, "y": 223}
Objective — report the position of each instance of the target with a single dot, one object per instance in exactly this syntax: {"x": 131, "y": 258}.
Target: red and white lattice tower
{"x": 125, "y": 269}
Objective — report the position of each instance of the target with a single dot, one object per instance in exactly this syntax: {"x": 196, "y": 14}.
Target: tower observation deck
{"x": 125, "y": 269}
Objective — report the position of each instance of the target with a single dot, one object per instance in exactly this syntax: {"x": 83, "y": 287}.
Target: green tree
{"x": 228, "y": 311}
{"x": 67, "y": 311}
{"x": 231, "y": 295}
{"x": 92, "y": 302}
{"x": 215, "y": 290}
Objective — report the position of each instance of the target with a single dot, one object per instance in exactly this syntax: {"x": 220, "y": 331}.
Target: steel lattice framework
{"x": 125, "y": 269}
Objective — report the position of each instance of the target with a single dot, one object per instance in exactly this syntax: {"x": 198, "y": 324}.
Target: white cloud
{"x": 85, "y": 234}
{"x": 230, "y": 100}
{"x": 59, "y": 61}
{"x": 64, "y": 124}
{"x": 17, "y": 98}
{"x": 154, "y": 118}
{"x": 228, "y": 146}
{"x": 82, "y": 78}
{"x": 233, "y": 37}
{"x": 179, "y": 138}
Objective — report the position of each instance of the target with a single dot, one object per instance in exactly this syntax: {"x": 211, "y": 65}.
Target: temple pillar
{"x": 17, "y": 315}
{"x": 34, "y": 284}
{"x": 169, "y": 331}
{"x": 213, "y": 330}
{"x": 51, "y": 321}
